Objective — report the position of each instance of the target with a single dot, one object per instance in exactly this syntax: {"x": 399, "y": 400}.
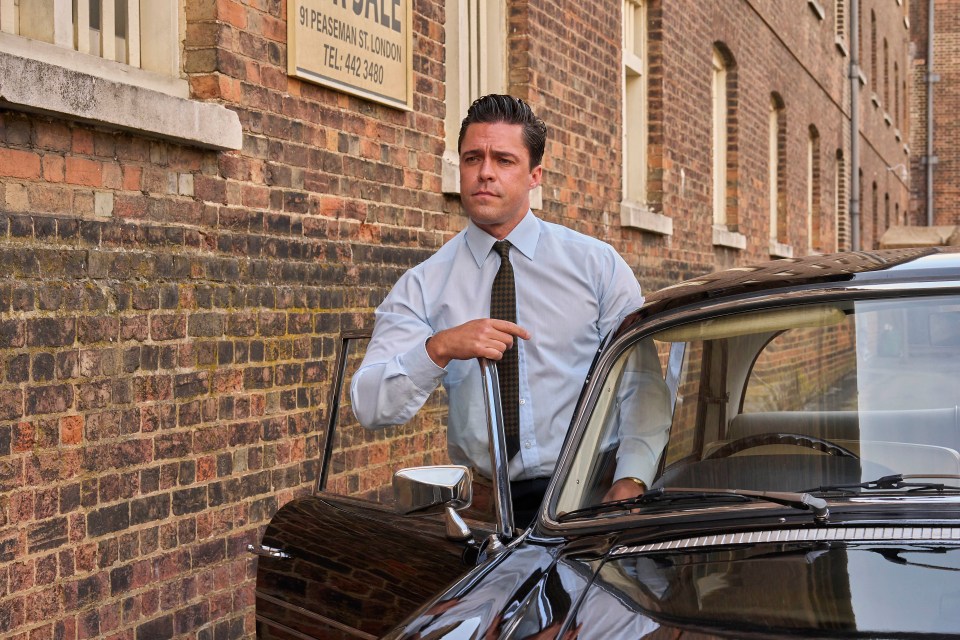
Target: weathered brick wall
{"x": 792, "y": 53}
{"x": 168, "y": 323}
{"x": 946, "y": 106}
{"x": 168, "y": 314}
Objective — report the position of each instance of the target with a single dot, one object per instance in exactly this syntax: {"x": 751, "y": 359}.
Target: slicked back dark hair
{"x": 494, "y": 108}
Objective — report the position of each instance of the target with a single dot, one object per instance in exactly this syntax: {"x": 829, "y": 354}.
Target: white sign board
{"x": 361, "y": 47}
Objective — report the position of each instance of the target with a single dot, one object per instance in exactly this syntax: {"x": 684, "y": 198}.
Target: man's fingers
{"x": 510, "y": 327}
{"x": 485, "y": 337}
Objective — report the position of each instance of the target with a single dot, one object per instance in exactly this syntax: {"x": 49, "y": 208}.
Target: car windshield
{"x": 800, "y": 398}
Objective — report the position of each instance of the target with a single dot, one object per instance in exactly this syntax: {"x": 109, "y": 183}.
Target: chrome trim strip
{"x": 497, "y": 444}
{"x": 268, "y": 552}
{"x": 310, "y": 614}
{"x": 845, "y": 534}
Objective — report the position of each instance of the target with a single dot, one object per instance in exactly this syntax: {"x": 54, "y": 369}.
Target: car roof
{"x": 859, "y": 267}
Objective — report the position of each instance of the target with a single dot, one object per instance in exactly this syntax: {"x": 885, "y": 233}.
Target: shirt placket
{"x": 529, "y": 448}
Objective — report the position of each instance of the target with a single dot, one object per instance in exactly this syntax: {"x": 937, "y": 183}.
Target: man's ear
{"x": 536, "y": 175}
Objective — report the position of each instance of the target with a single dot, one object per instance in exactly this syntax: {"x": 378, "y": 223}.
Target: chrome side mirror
{"x": 432, "y": 489}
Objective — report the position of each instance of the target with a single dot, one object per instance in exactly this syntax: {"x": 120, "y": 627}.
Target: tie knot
{"x": 503, "y": 248}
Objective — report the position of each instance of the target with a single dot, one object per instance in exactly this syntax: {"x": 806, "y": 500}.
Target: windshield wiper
{"x": 803, "y": 501}
{"x": 895, "y": 481}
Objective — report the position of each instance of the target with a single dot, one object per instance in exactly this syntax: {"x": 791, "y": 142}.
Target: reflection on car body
{"x": 800, "y": 423}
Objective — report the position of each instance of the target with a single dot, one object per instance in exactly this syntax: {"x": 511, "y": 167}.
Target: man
{"x": 570, "y": 290}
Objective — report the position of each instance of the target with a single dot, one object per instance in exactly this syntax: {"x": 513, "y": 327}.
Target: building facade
{"x": 186, "y": 224}
{"x": 935, "y": 97}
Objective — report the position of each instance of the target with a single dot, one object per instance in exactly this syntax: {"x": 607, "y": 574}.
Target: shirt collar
{"x": 524, "y": 238}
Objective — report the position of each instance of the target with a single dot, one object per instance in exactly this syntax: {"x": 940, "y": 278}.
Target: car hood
{"x": 818, "y": 590}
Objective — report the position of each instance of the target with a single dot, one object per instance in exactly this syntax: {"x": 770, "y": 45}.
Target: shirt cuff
{"x": 420, "y": 367}
{"x": 635, "y": 466}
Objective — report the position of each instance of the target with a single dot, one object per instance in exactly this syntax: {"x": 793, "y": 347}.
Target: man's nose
{"x": 486, "y": 169}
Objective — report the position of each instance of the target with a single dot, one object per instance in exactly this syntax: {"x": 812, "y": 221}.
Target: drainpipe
{"x": 931, "y": 78}
{"x": 855, "y": 125}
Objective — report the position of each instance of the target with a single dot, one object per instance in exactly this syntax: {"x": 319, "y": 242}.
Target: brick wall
{"x": 167, "y": 331}
{"x": 168, "y": 314}
{"x": 946, "y": 105}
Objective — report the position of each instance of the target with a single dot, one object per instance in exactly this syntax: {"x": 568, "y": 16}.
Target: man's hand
{"x": 622, "y": 489}
{"x": 483, "y": 338}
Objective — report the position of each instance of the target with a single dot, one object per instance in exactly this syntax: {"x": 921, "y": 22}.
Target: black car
{"x": 801, "y": 423}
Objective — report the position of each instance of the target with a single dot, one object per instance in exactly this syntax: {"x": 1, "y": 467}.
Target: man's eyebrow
{"x": 497, "y": 153}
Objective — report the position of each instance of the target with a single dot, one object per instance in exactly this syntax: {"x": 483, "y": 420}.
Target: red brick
{"x": 84, "y": 172}
{"x": 50, "y": 198}
{"x": 82, "y": 141}
{"x": 131, "y": 177}
{"x": 53, "y": 168}
{"x": 15, "y": 163}
{"x": 53, "y": 136}
{"x": 112, "y": 176}
{"x": 205, "y": 87}
{"x": 232, "y": 13}
{"x": 22, "y": 437}
{"x": 71, "y": 430}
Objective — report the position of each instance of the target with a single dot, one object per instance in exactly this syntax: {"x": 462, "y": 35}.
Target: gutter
{"x": 931, "y": 78}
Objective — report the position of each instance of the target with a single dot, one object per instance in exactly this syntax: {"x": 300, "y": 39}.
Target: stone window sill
{"x": 723, "y": 237}
{"x": 817, "y": 9}
{"x": 89, "y": 89}
{"x": 780, "y": 250}
{"x": 841, "y": 46}
{"x": 639, "y": 216}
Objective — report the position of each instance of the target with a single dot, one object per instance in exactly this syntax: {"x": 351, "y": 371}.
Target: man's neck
{"x": 502, "y": 230}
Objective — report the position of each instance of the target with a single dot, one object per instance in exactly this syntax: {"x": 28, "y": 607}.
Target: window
{"x": 719, "y": 140}
{"x": 896, "y": 95}
{"x": 840, "y": 205}
{"x": 876, "y": 217}
{"x": 861, "y": 219}
{"x": 635, "y": 98}
{"x": 778, "y": 176}
{"x": 813, "y": 189}
{"x": 476, "y": 66}
{"x": 873, "y": 50}
{"x": 886, "y": 74}
{"x": 886, "y": 211}
{"x": 904, "y": 103}
{"x": 635, "y": 208}
{"x": 841, "y": 26}
{"x": 108, "y": 29}
{"x": 724, "y": 150}
{"x": 117, "y": 63}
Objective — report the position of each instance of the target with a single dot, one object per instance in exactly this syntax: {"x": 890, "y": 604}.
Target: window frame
{"x": 635, "y": 211}
{"x": 476, "y": 45}
{"x": 153, "y": 100}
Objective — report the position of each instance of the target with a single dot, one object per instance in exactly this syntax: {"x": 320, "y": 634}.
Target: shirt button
{"x": 527, "y": 444}
{"x": 523, "y": 401}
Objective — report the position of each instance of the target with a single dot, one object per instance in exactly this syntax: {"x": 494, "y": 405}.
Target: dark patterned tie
{"x": 503, "y": 306}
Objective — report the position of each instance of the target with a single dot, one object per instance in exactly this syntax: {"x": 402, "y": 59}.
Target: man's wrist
{"x": 435, "y": 353}
{"x": 640, "y": 483}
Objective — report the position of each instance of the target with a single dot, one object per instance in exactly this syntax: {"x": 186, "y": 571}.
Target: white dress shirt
{"x": 571, "y": 291}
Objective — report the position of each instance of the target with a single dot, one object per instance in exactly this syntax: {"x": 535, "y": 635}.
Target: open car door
{"x": 344, "y": 562}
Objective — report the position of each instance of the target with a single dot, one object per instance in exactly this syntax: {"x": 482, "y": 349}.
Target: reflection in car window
{"x": 781, "y": 400}
{"x": 362, "y": 461}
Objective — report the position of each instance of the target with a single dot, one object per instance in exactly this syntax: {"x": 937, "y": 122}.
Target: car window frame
{"x": 626, "y": 337}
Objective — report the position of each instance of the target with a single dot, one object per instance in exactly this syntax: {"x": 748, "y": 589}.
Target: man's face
{"x": 495, "y": 176}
